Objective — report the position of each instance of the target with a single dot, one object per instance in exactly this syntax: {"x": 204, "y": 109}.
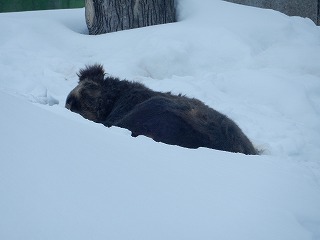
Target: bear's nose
{"x": 68, "y": 106}
{"x": 69, "y": 103}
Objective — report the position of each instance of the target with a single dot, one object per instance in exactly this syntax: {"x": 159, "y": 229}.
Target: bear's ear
{"x": 92, "y": 72}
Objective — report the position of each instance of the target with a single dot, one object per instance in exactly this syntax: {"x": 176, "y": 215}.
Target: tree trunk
{"x": 104, "y": 16}
{"x": 318, "y": 13}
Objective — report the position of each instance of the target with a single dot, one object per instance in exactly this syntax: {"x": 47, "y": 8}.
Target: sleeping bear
{"x": 164, "y": 117}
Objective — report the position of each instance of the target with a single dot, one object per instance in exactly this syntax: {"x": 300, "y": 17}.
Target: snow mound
{"x": 64, "y": 177}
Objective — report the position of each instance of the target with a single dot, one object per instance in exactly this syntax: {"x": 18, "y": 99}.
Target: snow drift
{"x": 64, "y": 177}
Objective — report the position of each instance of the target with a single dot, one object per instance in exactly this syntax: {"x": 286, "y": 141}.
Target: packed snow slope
{"x": 64, "y": 177}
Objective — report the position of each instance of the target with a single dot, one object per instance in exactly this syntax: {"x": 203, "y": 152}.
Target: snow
{"x": 64, "y": 177}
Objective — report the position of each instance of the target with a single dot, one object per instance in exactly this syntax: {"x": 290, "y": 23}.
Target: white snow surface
{"x": 64, "y": 177}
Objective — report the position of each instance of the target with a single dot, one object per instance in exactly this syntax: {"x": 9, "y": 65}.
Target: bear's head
{"x": 86, "y": 99}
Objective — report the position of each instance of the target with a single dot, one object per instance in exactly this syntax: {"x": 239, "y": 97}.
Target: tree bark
{"x": 318, "y": 13}
{"x": 104, "y": 16}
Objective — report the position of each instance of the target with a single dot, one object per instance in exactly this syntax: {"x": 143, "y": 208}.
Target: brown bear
{"x": 164, "y": 117}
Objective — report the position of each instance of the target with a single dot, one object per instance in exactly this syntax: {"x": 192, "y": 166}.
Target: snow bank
{"x": 64, "y": 177}
{"x": 67, "y": 178}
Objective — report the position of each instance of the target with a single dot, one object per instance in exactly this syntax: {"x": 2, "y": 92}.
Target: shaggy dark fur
{"x": 167, "y": 118}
